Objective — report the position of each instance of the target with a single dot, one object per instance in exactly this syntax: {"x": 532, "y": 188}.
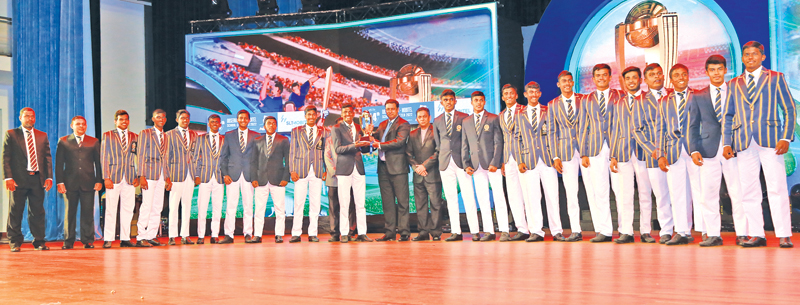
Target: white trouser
{"x": 532, "y": 195}
{"x": 515, "y": 196}
{"x": 483, "y": 179}
{"x": 622, "y": 183}
{"x": 658, "y": 181}
{"x": 569, "y": 173}
{"x": 262, "y": 194}
{"x": 215, "y": 191}
{"x": 150, "y": 211}
{"x": 697, "y": 198}
{"x": 313, "y": 186}
{"x": 233, "y": 190}
{"x": 710, "y": 179}
{"x": 452, "y": 178}
{"x": 596, "y": 179}
{"x": 358, "y": 184}
{"x": 775, "y": 176}
{"x": 181, "y": 192}
{"x": 681, "y": 193}
{"x": 124, "y": 194}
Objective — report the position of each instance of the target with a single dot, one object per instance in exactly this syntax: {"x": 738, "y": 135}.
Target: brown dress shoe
{"x": 786, "y": 242}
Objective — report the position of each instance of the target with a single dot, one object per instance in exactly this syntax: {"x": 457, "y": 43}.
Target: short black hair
{"x": 269, "y": 117}
{"x": 121, "y": 113}
{"x": 392, "y": 101}
{"x": 716, "y": 59}
{"x": 243, "y": 111}
{"x": 180, "y": 112}
{"x": 564, "y": 73}
{"x": 753, "y": 44}
{"x": 632, "y": 69}
{"x": 77, "y": 117}
{"x": 532, "y": 85}
{"x": 598, "y": 67}
{"x": 423, "y": 109}
{"x": 214, "y": 116}
{"x": 477, "y": 93}
{"x": 159, "y": 111}
{"x": 349, "y": 105}
{"x": 508, "y": 86}
{"x": 310, "y": 108}
{"x": 279, "y": 85}
{"x": 447, "y": 92}
{"x": 676, "y": 67}
{"x": 652, "y": 66}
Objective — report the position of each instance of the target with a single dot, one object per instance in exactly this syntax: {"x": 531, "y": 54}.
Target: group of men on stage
{"x": 677, "y": 143}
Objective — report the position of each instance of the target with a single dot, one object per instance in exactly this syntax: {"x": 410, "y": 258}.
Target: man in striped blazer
{"x": 208, "y": 177}
{"x": 269, "y": 170}
{"x": 447, "y": 133}
{"x": 674, "y": 159}
{"x": 645, "y": 124}
{"x": 307, "y": 168}
{"x": 153, "y": 178}
{"x": 511, "y": 142}
{"x": 594, "y": 118}
{"x": 117, "y": 152}
{"x": 535, "y": 166}
{"x": 182, "y": 144}
{"x": 628, "y": 160}
{"x": 563, "y": 132}
{"x": 756, "y": 132}
{"x": 235, "y": 158}
{"x": 705, "y": 133}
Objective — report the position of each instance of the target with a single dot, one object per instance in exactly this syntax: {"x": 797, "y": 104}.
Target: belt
{"x": 33, "y": 173}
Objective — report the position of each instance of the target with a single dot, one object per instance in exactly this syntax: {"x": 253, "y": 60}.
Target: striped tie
{"x": 163, "y": 143}
{"x": 751, "y": 87}
{"x": 718, "y": 104}
{"x": 310, "y": 134}
{"x": 449, "y": 124}
{"x": 183, "y": 137}
{"x": 269, "y": 144}
{"x": 242, "y": 144}
{"x": 508, "y": 117}
{"x": 570, "y": 113}
{"x": 124, "y": 140}
{"x": 214, "y": 144}
{"x": 478, "y": 124}
{"x": 80, "y": 140}
{"x": 602, "y": 104}
{"x": 32, "y": 152}
{"x": 535, "y": 118}
{"x": 630, "y": 103}
{"x": 681, "y": 109}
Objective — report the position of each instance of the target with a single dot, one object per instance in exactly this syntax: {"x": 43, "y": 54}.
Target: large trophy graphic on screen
{"x": 651, "y": 27}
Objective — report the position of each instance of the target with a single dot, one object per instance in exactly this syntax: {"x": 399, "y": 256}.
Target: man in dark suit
{"x": 424, "y": 159}
{"x": 350, "y": 172}
{"x": 333, "y": 190}
{"x": 235, "y": 158}
{"x": 482, "y": 154}
{"x": 28, "y": 168}
{"x": 78, "y": 175}
{"x": 391, "y": 138}
{"x": 269, "y": 169}
{"x": 447, "y": 134}
{"x": 209, "y": 179}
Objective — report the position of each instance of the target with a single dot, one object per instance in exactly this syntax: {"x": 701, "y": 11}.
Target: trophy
{"x": 651, "y": 27}
{"x": 366, "y": 120}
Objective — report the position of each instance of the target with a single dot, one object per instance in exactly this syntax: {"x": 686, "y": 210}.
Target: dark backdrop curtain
{"x": 48, "y": 77}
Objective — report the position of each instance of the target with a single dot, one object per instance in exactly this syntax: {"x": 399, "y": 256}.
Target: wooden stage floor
{"x": 404, "y": 273}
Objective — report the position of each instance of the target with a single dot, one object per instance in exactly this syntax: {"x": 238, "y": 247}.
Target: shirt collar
{"x": 121, "y": 130}
{"x": 246, "y": 130}
{"x": 724, "y": 87}
{"x": 605, "y": 93}
{"x": 512, "y": 108}
{"x": 756, "y": 74}
{"x": 158, "y": 132}
{"x": 76, "y": 135}
{"x": 480, "y": 113}
{"x": 213, "y": 133}
{"x": 572, "y": 98}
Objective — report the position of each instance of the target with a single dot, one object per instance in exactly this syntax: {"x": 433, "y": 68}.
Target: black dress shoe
{"x": 504, "y": 236}
{"x": 66, "y": 247}
{"x": 214, "y": 240}
{"x": 404, "y": 238}
{"x": 201, "y": 241}
{"x": 421, "y": 237}
{"x": 574, "y": 237}
{"x": 333, "y": 239}
{"x": 352, "y": 235}
{"x": 454, "y": 237}
{"x": 15, "y": 249}
{"x": 313, "y": 239}
{"x": 294, "y": 239}
{"x": 534, "y": 238}
{"x": 122, "y": 244}
{"x": 755, "y": 242}
{"x": 476, "y": 237}
{"x": 646, "y": 238}
{"x": 704, "y": 237}
{"x": 248, "y": 239}
{"x": 278, "y": 239}
{"x": 171, "y": 241}
{"x": 187, "y": 241}
{"x": 712, "y": 241}
{"x": 558, "y": 237}
{"x": 107, "y": 244}
{"x": 143, "y": 244}
{"x": 740, "y": 240}
{"x": 664, "y": 239}
{"x": 345, "y": 239}
{"x": 689, "y": 238}
{"x": 226, "y": 240}
{"x": 42, "y": 248}
{"x": 488, "y": 237}
{"x": 624, "y": 239}
{"x": 155, "y": 242}
{"x": 88, "y": 246}
{"x": 678, "y": 240}
{"x": 436, "y": 238}
{"x": 365, "y": 238}
{"x": 600, "y": 238}
{"x": 386, "y": 238}
{"x": 786, "y": 242}
{"x": 521, "y": 236}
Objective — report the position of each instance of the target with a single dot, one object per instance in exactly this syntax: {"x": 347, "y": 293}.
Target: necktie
{"x": 508, "y": 116}
{"x": 214, "y": 144}
{"x": 478, "y": 124}
{"x": 681, "y": 110}
{"x": 718, "y": 104}
{"x": 350, "y": 131}
{"x": 242, "y": 144}
{"x": 535, "y": 118}
{"x": 183, "y": 137}
{"x": 80, "y": 140}
{"x": 163, "y": 143}
{"x": 570, "y": 112}
{"x": 32, "y": 152}
{"x": 388, "y": 126}
{"x": 124, "y": 140}
{"x": 269, "y": 144}
{"x": 751, "y": 86}
{"x": 449, "y": 124}
{"x": 630, "y": 103}
{"x": 602, "y": 104}
{"x": 310, "y": 134}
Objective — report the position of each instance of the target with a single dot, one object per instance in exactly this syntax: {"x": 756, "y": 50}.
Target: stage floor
{"x": 404, "y": 273}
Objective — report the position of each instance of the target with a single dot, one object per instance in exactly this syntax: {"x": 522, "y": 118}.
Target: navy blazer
{"x": 233, "y": 162}
{"x": 705, "y": 129}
